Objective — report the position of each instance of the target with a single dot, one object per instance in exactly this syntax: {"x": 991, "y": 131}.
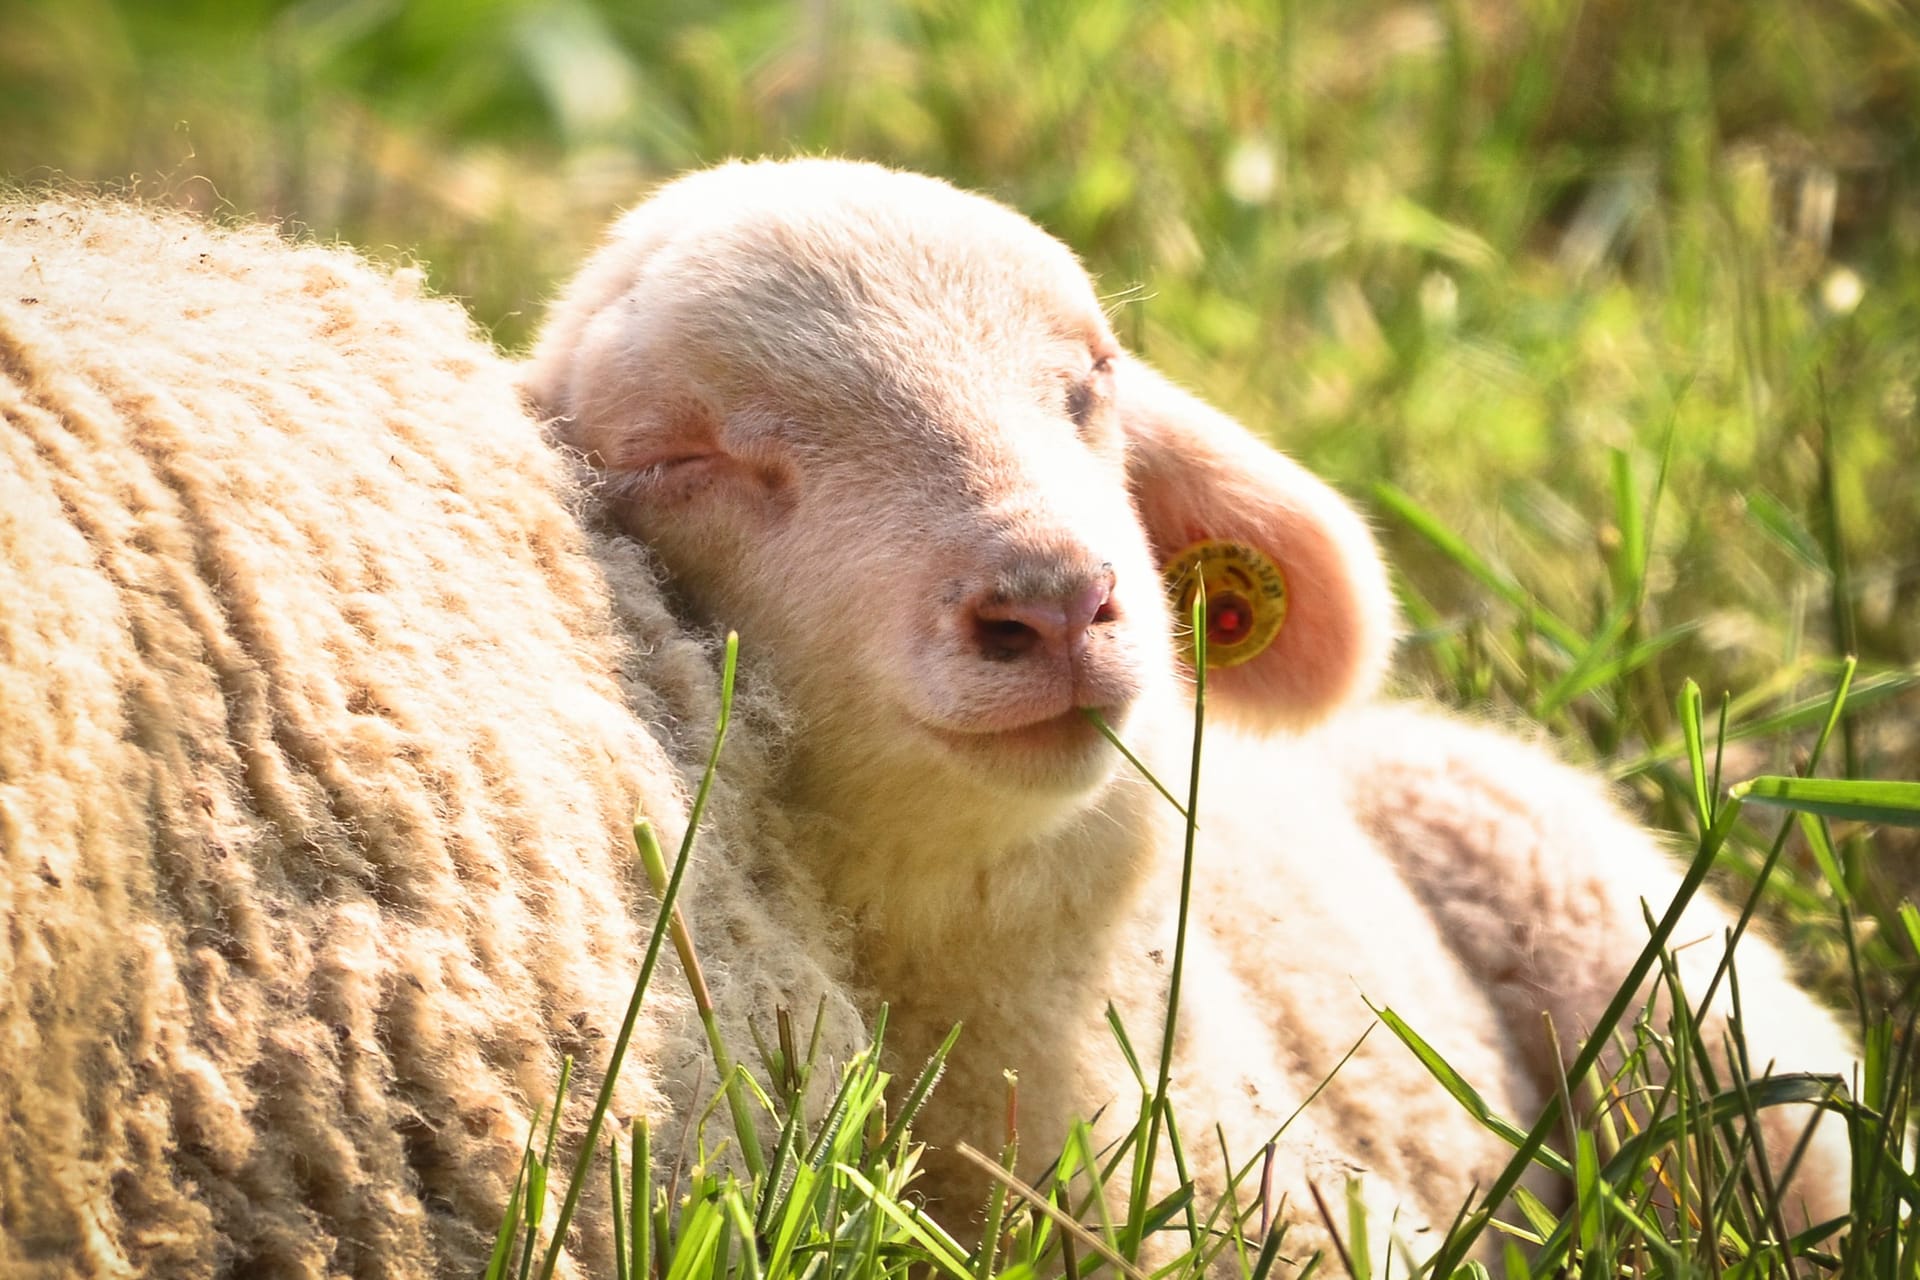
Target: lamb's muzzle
{"x": 1048, "y": 624}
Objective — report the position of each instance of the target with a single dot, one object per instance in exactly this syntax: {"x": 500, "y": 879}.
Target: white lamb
{"x": 884, "y": 429}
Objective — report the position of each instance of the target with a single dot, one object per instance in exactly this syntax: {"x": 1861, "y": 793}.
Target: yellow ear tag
{"x": 1246, "y": 598}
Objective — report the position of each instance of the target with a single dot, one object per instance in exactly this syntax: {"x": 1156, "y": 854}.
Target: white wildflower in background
{"x": 1252, "y": 171}
{"x": 1842, "y": 290}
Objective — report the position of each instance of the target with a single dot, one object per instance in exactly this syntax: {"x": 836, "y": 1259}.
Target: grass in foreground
{"x": 1652, "y": 1146}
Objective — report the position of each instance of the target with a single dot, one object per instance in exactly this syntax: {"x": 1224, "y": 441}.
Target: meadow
{"x": 1609, "y": 312}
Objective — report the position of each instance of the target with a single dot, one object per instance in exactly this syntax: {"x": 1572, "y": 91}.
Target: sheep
{"x": 883, "y": 427}
{"x": 327, "y": 715}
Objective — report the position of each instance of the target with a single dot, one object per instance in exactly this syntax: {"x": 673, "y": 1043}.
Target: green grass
{"x": 1606, "y": 309}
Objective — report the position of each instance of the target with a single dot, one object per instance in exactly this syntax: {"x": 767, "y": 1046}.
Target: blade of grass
{"x": 1696, "y": 754}
{"x": 940, "y": 1252}
{"x": 745, "y": 1131}
{"x": 1895, "y": 803}
{"x": 1596, "y": 669}
{"x": 983, "y": 1267}
{"x": 1358, "y": 1234}
{"x": 1333, "y": 1232}
{"x": 1455, "y": 548}
{"x": 1150, "y": 1151}
{"x": 1796, "y": 715}
{"x": 536, "y": 1202}
{"x": 1465, "y": 1094}
{"x": 640, "y": 1200}
{"x": 1126, "y": 1046}
{"x": 1770, "y": 1091}
{"x": 617, "y": 1199}
{"x": 510, "y": 1222}
{"x": 1066, "y": 1222}
{"x": 643, "y": 836}
{"x": 917, "y": 1096}
{"x": 1106, "y": 731}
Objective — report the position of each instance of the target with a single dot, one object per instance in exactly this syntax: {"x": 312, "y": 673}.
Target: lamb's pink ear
{"x": 618, "y": 395}
{"x": 608, "y": 369}
{"x": 608, "y": 375}
{"x": 1217, "y": 500}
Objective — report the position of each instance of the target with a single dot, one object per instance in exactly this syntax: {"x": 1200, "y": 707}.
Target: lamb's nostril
{"x": 1005, "y": 629}
{"x": 1004, "y": 639}
{"x": 1095, "y": 603}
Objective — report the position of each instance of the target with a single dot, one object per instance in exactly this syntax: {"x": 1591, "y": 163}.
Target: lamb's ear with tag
{"x": 1301, "y": 615}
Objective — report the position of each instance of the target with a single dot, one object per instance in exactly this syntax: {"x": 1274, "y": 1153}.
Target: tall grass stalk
{"x": 1158, "y": 1114}
{"x": 669, "y": 895}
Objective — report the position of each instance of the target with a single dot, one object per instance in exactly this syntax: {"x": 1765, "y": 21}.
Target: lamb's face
{"x": 893, "y": 460}
{"x": 932, "y": 537}
{"x": 882, "y": 427}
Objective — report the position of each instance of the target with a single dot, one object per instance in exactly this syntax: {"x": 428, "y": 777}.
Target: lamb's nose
{"x": 1056, "y": 626}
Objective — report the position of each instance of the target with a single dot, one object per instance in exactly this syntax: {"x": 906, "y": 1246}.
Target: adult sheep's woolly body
{"x": 323, "y": 732}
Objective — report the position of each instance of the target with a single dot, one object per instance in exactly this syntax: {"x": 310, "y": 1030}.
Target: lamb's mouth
{"x": 1069, "y": 734}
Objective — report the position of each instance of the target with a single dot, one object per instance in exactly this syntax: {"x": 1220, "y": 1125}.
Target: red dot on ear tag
{"x": 1229, "y": 619}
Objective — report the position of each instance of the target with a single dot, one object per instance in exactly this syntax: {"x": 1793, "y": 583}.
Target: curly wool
{"x": 323, "y": 733}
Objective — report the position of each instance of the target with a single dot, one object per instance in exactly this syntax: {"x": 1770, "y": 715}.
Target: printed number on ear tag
{"x": 1246, "y": 598}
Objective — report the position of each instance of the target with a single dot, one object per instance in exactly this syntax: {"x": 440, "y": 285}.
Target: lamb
{"x": 326, "y": 720}
{"x": 883, "y": 428}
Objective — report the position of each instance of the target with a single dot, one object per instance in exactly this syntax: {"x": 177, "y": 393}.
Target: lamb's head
{"x": 884, "y": 429}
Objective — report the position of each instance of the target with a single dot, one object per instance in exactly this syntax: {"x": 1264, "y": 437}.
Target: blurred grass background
{"x": 1528, "y": 263}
